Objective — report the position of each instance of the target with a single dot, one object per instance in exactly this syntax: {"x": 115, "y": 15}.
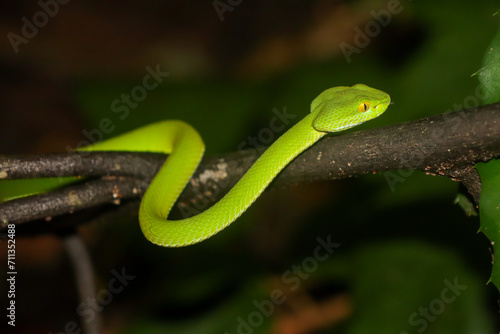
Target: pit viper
{"x": 334, "y": 110}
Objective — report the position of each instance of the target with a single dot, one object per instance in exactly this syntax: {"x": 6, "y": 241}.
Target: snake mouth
{"x": 384, "y": 104}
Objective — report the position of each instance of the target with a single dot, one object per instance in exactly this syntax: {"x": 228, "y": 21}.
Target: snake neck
{"x": 286, "y": 148}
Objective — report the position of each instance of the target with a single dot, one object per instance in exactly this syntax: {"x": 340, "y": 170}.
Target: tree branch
{"x": 446, "y": 144}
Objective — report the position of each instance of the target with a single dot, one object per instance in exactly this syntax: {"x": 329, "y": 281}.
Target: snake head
{"x": 341, "y": 108}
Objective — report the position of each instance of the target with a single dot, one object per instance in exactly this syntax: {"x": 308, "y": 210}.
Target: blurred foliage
{"x": 390, "y": 284}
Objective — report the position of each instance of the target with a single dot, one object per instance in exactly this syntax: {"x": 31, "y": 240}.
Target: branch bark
{"x": 447, "y": 144}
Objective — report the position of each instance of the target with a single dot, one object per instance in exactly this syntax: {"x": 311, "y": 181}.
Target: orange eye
{"x": 364, "y": 106}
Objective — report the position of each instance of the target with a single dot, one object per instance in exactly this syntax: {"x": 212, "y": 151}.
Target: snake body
{"x": 334, "y": 110}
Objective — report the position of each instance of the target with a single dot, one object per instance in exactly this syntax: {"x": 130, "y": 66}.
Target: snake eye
{"x": 364, "y": 106}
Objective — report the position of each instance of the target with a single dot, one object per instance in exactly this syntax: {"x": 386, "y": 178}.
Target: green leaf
{"x": 489, "y": 210}
{"x": 489, "y": 74}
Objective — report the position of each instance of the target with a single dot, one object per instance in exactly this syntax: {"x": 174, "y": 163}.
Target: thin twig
{"x": 84, "y": 276}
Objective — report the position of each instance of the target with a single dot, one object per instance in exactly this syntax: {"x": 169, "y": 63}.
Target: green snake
{"x": 336, "y": 109}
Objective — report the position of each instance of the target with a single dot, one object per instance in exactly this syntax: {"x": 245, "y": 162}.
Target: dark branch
{"x": 141, "y": 165}
{"x": 70, "y": 199}
{"x": 447, "y": 144}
